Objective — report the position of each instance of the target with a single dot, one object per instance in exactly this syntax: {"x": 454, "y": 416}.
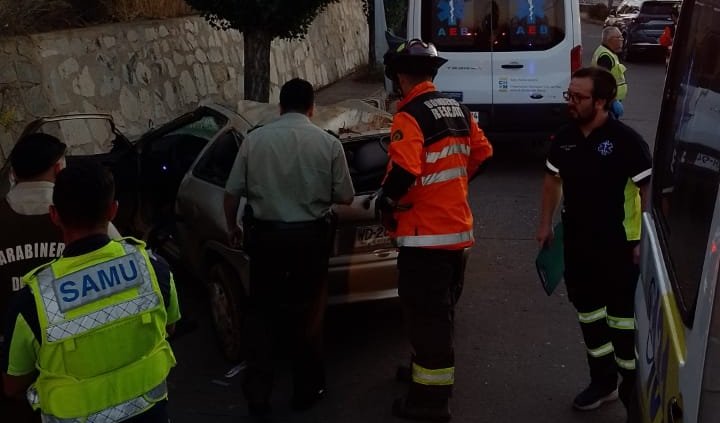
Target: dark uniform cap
{"x": 414, "y": 57}
{"x": 34, "y": 154}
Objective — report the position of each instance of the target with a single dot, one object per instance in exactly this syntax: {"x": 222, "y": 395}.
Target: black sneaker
{"x": 259, "y": 409}
{"x": 401, "y": 409}
{"x": 594, "y": 396}
{"x": 307, "y": 401}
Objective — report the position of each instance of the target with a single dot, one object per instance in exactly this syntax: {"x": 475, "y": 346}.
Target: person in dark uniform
{"x": 29, "y": 238}
{"x": 602, "y": 168}
{"x": 86, "y": 338}
{"x": 291, "y": 173}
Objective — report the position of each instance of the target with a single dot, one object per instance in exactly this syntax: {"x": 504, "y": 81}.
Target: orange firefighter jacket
{"x": 435, "y": 139}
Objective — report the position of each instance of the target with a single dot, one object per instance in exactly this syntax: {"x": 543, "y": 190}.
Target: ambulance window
{"x": 494, "y": 25}
{"x": 687, "y": 154}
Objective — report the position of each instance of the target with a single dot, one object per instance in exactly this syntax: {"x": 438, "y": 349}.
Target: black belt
{"x": 275, "y": 225}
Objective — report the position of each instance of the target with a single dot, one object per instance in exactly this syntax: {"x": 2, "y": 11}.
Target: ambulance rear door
{"x": 678, "y": 327}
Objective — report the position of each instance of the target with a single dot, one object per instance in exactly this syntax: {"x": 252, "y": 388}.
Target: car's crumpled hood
{"x": 347, "y": 117}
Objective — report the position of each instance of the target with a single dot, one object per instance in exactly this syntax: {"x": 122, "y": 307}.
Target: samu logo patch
{"x": 606, "y": 148}
{"x": 98, "y": 281}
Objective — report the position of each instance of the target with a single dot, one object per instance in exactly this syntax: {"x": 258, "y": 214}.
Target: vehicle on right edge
{"x": 677, "y": 301}
{"x": 642, "y": 23}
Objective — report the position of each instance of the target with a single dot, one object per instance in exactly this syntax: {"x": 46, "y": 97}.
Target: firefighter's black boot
{"x": 403, "y": 374}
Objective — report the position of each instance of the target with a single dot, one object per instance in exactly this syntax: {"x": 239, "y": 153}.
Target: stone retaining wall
{"x": 146, "y": 73}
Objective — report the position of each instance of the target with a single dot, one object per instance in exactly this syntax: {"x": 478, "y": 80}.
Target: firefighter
{"x": 436, "y": 148}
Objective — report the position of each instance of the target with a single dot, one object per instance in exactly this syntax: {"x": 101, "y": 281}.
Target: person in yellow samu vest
{"x": 605, "y": 56}
{"x": 87, "y": 336}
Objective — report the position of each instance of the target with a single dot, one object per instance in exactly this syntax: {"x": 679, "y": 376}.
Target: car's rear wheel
{"x": 227, "y": 304}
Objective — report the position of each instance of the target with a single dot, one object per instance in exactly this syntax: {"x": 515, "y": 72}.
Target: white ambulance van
{"x": 509, "y": 60}
{"x": 677, "y": 300}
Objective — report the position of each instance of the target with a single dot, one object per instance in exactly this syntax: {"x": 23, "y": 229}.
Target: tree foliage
{"x": 395, "y": 18}
{"x": 287, "y": 19}
{"x": 261, "y": 21}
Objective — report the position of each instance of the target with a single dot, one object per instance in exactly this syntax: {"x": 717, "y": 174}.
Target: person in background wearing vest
{"x": 29, "y": 238}
{"x": 291, "y": 172}
{"x": 436, "y": 147}
{"x": 666, "y": 39}
{"x": 87, "y": 335}
{"x": 605, "y": 56}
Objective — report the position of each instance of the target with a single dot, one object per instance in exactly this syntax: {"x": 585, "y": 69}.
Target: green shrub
{"x": 19, "y": 17}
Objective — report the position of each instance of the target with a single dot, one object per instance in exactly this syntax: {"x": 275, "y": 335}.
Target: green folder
{"x": 550, "y": 262}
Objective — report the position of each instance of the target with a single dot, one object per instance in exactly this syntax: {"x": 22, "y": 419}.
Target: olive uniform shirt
{"x": 291, "y": 171}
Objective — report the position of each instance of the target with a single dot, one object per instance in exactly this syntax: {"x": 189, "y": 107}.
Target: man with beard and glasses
{"x": 602, "y": 168}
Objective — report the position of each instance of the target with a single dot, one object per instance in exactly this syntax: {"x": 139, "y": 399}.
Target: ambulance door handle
{"x": 675, "y": 412}
{"x": 512, "y": 66}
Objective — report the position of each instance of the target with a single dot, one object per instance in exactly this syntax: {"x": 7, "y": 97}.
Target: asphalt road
{"x": 519, "y": 353}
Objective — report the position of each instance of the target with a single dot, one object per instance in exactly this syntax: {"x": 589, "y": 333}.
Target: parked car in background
{"x": 641, "y": 24}
{"x": 623, "y": 12}
{"x": 170, "y": 186}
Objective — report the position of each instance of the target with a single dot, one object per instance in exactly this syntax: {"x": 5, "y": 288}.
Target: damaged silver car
{"x": 170, "y": 186}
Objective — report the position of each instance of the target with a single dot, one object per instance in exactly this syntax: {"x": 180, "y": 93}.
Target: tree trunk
{"x": 257, "y": 65}
{"x": 372, "y": 54}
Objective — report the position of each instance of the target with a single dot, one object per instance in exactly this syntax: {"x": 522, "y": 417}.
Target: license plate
{"x": 475, "y": 116}
{"x": 370, "y": 236}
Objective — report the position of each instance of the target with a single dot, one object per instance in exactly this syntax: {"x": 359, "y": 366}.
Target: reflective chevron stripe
{"x": 434, "y": 240}
{"x": 448, "y": 151}
{"x": 118, "y": 413}
{"x": 443, "y": 176}
{"x": 433, "y": 377}
{"x": 601, "y": 351}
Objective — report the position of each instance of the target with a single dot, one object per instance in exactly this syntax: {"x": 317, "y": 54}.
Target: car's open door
{"x": 95, "y": 137}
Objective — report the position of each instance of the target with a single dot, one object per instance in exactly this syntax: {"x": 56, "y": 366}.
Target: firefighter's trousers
{"x": 430, "y": 282}
{"x": 601, "y": 278}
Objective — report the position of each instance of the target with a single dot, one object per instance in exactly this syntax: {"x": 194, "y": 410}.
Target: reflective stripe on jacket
{"x": 436, "y": 140}
{"x": 104, "y": 354}
{"x": 617, "y": 70}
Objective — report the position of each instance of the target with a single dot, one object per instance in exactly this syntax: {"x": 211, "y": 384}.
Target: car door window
{"x": 687, "y": 155}
{"x": 206, "y": 127}
{"x": 217, "y": 161}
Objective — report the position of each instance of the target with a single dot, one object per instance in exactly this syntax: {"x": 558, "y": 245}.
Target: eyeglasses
{"x": 575, "y": 97}
{"x": 618, "y": 37}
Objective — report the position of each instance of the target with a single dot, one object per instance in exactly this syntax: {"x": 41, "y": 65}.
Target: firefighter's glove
{"x": 384, "y": 208}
